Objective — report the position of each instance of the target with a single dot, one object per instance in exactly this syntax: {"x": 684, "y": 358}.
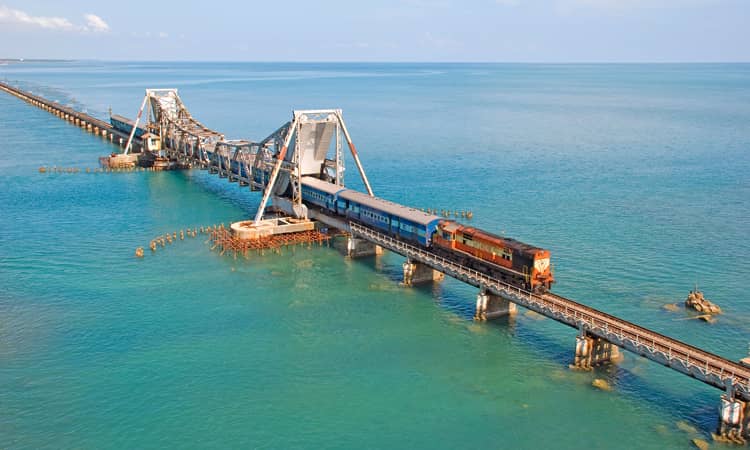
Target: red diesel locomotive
{"x": 509, "y": 260}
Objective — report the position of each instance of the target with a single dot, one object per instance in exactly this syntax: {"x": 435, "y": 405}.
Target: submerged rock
{"x": 706, "y": 318}
{"x": 602, "y": 384}
{"x": 700, "y": 443}
{"x": 534, "y": 315}
{"x": 672, "y": 307}
{"x": 686, "y": 427}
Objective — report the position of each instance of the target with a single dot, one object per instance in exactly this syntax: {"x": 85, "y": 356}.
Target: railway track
{"x": 707, "y": 367}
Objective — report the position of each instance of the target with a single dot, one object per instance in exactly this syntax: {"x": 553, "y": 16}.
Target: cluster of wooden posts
{"x": 224, "y": 241}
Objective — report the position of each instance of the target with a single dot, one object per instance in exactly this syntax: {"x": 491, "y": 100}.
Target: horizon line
{"x": 259, "y": 61}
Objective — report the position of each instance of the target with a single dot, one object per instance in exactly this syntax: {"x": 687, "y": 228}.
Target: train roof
{"x": 120, "y": 118}
{"x": 453, "y": 226}
{"x": 323, "y": 186}
{"x": 404, "y": 212}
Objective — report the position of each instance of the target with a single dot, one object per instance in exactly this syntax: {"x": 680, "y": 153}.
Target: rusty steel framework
{"x": 275, "y": 165}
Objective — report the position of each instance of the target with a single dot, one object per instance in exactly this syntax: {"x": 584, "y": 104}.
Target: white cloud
{"x": 163, "y": 35}
{"x": 14, "y": 16}
{"x": 96, "y": 23}
{"x": 8, "y": 15}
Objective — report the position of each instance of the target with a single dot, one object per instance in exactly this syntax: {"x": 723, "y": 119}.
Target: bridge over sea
{"x": 277, "y": 164}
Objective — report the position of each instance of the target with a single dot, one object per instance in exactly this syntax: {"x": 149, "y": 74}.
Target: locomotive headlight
{"x": 541, "y": 264}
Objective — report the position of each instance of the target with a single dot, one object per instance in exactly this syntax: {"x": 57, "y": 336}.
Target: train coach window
{"x": 447, "y": 236}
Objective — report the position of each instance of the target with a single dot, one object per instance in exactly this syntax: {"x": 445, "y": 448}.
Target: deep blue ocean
{"x": 636, "y": 177}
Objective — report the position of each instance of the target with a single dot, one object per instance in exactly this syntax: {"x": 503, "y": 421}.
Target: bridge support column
{"x": 357, "y": 248}
{"x": 417, "y": 273}
{"x": 592, "y": 351}
{"x": 734, "y": 420}
{"x": 491, "y": 306}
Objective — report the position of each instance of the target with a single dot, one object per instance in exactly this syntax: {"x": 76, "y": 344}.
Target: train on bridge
{"x": 125, "y": 125}
{"x": 506, "y": 259}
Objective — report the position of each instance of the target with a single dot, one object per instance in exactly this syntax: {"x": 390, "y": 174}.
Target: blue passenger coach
{"x": 401, "y": 221}
{"x": 125, "y": 125}
{"x": 320, "y": 193}
{"x": 407, "y": 223}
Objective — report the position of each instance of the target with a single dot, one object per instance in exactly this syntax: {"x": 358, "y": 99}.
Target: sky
{"x": 390, "y": 30}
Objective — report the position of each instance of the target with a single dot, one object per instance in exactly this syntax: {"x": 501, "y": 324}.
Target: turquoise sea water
{"x": 635, "y": 176}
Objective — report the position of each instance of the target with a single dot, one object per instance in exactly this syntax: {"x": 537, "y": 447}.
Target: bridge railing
{"x": 707, "y": 367}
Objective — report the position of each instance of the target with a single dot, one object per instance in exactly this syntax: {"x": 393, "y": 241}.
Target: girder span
{"x": 702, "y": 365}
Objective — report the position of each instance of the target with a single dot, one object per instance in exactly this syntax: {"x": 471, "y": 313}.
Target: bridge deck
{"x": 65, "y": 109}
{"x": 684, "y": 358}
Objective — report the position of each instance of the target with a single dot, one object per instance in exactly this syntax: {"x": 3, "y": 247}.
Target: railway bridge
{"x": 276, "y": 166}
{"x": 78, "y": 118}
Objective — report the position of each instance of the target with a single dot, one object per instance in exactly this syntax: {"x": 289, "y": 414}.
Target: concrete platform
{"x": 119, "y": 160}
{"x": 270, "y": 227}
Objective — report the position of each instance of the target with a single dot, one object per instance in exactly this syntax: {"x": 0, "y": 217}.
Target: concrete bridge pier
{"x": 417, "y": 273}
{"x": 592, "y": 351}
{"x": 357, "y": 248}
{"x": 734, "y": 420}
{"x": 491, "y": 306}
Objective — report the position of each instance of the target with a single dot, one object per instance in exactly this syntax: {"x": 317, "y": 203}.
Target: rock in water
{"x": 695, "y": 300}
{"x": 706, "y": 318}
{"x": 686, "y": 427}
{"x": 602, "y": 384}
{"x": 672, "y": 307}
{"x": 700, "y": 443}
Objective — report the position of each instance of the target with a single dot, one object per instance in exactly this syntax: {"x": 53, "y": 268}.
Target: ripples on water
{"x": 635, "y": 177}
